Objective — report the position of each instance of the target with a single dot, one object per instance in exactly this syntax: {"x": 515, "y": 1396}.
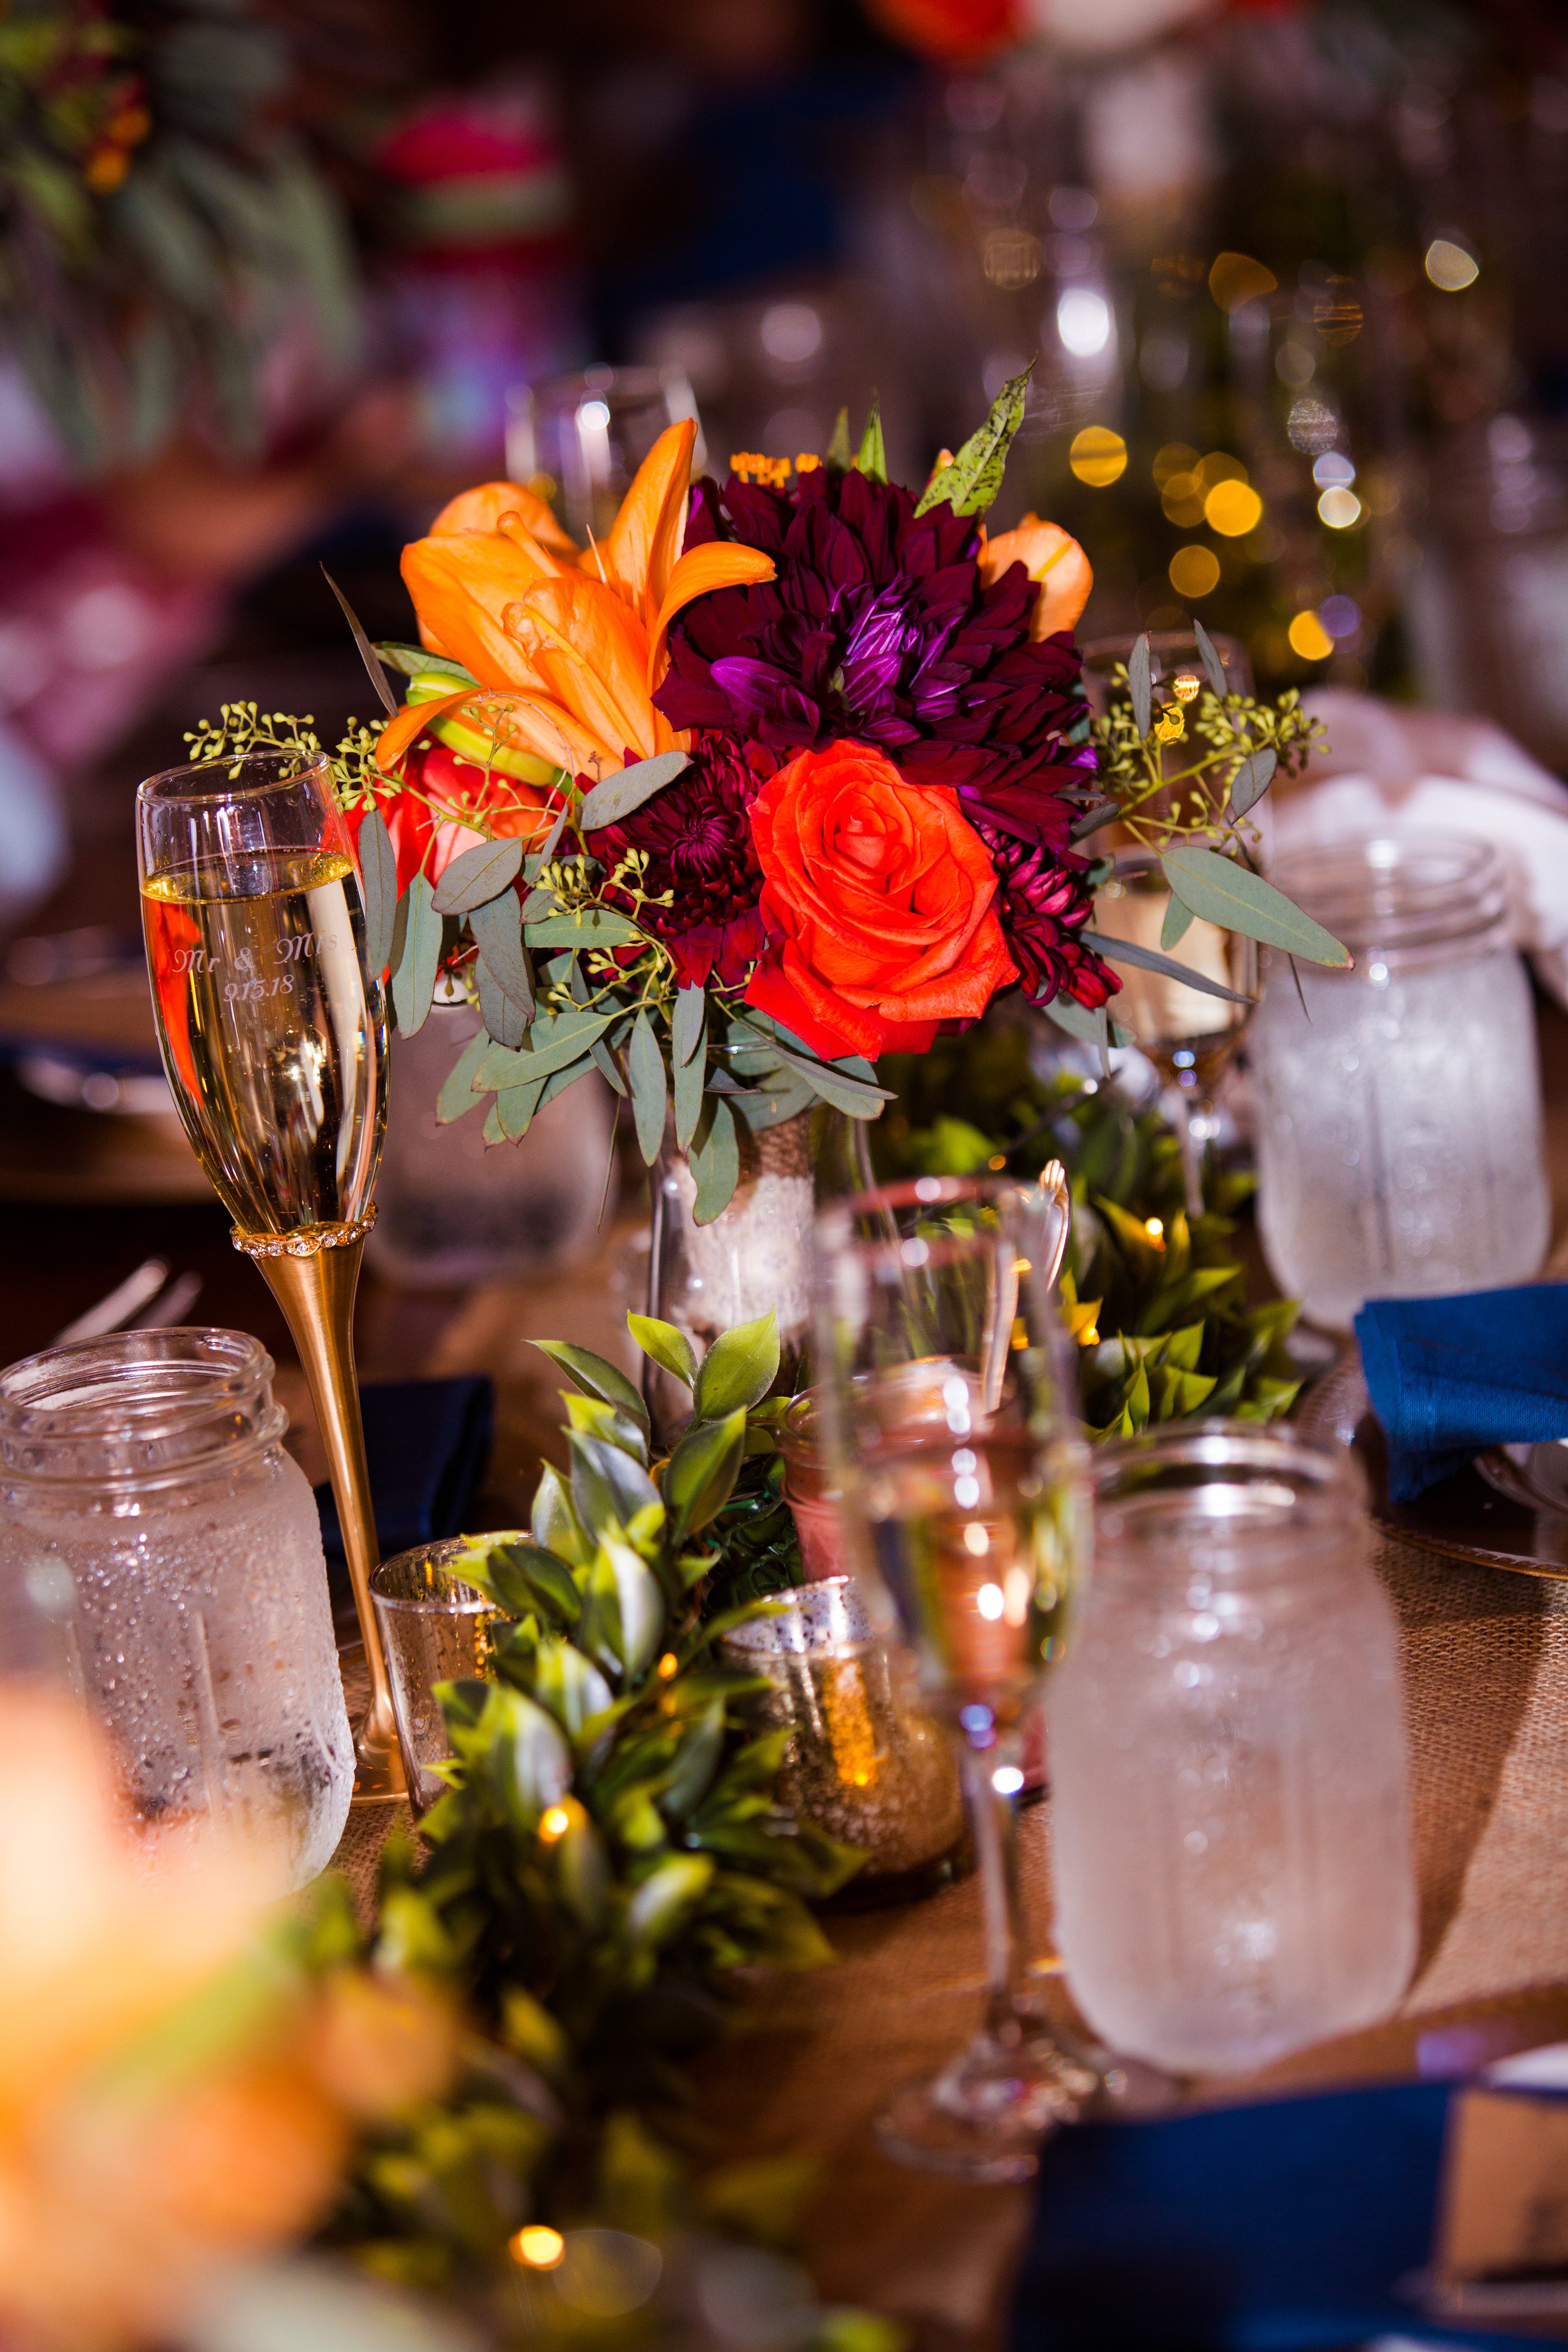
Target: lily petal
{"x": 1052, "y": 558}
{"x": 591, "y": 652}
{"x": 482, "y": 508}
{"x": 461, "y": 584}
{"x": 719, "y": 563}
{"x": 640, "y": 552}
{"x": 410, "y": 723}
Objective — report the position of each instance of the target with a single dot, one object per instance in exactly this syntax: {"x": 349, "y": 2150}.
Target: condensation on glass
{"x": 147, "y": 1469}
{"x": 1231, "y": 1827}
{"x": 1400, "y": 1145}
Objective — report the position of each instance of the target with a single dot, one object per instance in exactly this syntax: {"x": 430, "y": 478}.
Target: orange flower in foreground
{"x": 568, "y": 646}
{"x": 879, "y": 895}
{"x": 1053, "y": 559}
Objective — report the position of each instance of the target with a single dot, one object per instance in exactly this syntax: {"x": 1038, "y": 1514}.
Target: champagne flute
{"x": 948, "y": 1405}
{"x": 274, "y": 1042}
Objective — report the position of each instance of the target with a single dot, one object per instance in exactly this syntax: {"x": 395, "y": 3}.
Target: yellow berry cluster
{"x": 772, "y": 473}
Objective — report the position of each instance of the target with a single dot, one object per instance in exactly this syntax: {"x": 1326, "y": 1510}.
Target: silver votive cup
{"x": 434, "y": 1628}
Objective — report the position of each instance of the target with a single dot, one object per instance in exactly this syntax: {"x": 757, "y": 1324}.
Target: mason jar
{"x": 149, "y": 1468}
{"x": 1231, "y": 1831}
{"x": 1400, "y": 1150}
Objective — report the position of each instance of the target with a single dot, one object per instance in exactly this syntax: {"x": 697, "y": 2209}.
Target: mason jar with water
{"x": 1400, "y": 1147}
{"x": 147, "y": 1470}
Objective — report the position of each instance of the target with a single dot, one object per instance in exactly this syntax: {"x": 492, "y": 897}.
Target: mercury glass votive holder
{"x": 867, "y": 1764}
{"x": 434, "y": 1628}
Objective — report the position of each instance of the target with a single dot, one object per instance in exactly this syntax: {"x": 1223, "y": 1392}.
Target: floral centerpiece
{"x": 777, "y": 778}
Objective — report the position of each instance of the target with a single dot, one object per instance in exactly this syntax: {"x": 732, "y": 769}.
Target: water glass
{"x": 1400, "y": 1141}
{"x": 146, "y": 1473}
{"x": 434, "y": 1628}
{"x": 866, "y": 1762}
{"x": 586, "y": 435}
{"x": 1231, "y": 1829}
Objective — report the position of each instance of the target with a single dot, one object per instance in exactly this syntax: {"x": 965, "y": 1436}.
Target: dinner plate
{"x": 1508, "y": 1509}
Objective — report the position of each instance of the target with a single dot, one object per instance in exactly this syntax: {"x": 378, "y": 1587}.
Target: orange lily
{"x": 1053, "y": 559}
{"x": 568, "y": 647}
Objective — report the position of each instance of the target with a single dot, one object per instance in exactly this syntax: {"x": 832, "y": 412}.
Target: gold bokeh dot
{"x": 1098, "y": 457}
{"x": 1233, "y": 509}
{"x": 1310, "y": 638}
{"x": 1194, "y": 570}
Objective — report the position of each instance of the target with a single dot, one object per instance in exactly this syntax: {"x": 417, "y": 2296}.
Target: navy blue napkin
{"x": 427, "y": 1443}
{"x": 1448, "y": 1376}
{"x": 1284, "y": 2226}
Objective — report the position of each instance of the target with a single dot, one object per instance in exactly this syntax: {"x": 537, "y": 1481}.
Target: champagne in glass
{"x": 274, "y": 1041}
{"x": 947, "y": 1400}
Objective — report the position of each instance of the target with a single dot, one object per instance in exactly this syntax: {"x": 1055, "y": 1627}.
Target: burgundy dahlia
{"x": 697, "y": 836}
{"x": 1043, "y": 902}
{"x": 880, "y": 627}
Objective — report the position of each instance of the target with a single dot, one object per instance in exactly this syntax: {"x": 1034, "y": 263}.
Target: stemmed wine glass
{"x": 274, "y": 1042}
{"x": 948, "y": 1407}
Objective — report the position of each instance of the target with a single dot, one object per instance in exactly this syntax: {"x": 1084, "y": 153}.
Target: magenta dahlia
{"x": 697, "y": 836}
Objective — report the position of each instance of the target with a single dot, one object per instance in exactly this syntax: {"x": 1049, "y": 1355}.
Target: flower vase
{"x": 755, "y": 1255}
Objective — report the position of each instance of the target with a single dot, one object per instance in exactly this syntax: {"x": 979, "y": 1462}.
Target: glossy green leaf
{"x": 640, "y": 1604}
{"x": 1144, "y": 958}
{"x": 664, "y": 1901}
{"x": 497, "y": 929}
{"x": 619, "y": 795}
{"x": 479, "y": 875}
{"x": 569, "y": 1685}
{"x": 555, "y": 1524}
{"x": 413, "y": 661}
{"x": 522, "y": 1575}
{"x": 970, "y": 482}
{"x": 715, "y": 1158}
{"x": 667, "y": 1346}
{"x": 702, "y": 1472}
{"x": 530, "y": 1761}
{"x": 378, "y": 891}
{"x": 596, "y": 1377}
{"x": 739, "y": 1369}
{"x": 594, "y": 1418}
{"x": 696, "y": 1762}
{"x": 1222, "y": 891}
{"x": 608, "y": 1488}
{"x": 414, "y": 981}
{"x": 645, "y": 1075}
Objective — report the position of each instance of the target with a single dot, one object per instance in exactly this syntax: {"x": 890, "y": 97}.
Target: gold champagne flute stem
{"x": 313, "y": 1276}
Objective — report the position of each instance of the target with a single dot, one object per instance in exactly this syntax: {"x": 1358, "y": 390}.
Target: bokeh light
{"x": 1083, "y": 321}
{"x": 1339, "y": 508}
{"x": 1449, "y": 267}
{"x": 1233, "y": 509}
{"x": 1310, "y": 638}
{"x": 1340, "y": 616}
{"x": 1098, "y": 457}
{"x": 537, "y": 2248}
{"x": 1194, "y": 570}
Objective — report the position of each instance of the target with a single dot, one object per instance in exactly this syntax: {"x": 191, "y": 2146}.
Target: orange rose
{"x": 877, "y": 897}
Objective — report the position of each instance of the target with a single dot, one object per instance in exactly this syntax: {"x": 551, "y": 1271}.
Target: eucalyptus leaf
{"x": 596, "y": 1377}
{"x": 1149, "y": 959}
{"x": 780, "y": 1097}
{"x": 591, "y": 927}
{"x": 1081, "y": 1022}
{"x": 1252, "y": 778}
{"x": 687, "y": 1023}
{"x": 538, "y": 904}
{"x": 702, "y": 1473}
{"x": 715, "y": 1158}
{"x": 872, "y": 458}
{"x": 739, "y": 1369}
{"x": 413, "y": 978}
{"x": 1222, "y": 891}
{"x": 479, "y": 875}
{"x": 667, "y": 1345}
{"x": 457, "y": 1097}
{"x": 497, "y": 929}
{"x": 970, "y": 482}
{"x": 616, "y": 797}
{"x": 605, "y": 1063}
{"x": 1093, "y": 819}
{"x": 506, "y": 1023}
{"x": 1174, "y": 927}
{"x": 410, "y": 661}
{"x": 851, "y": 1096}
{"x": 368, "y": 654}
{"x": 645, "y": 1073}
{"x": 688, "y": 1090}
{"x": 515, "y": 1107}
{"x": 378, "y": 891}
{"x": 554, "y": 1041}
{"x": 1139, "y": 685}
{"x": 1211, "y": 661}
